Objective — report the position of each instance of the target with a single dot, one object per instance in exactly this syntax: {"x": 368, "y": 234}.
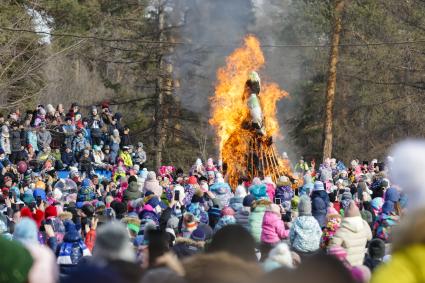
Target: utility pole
{"x": 331, "y": 84}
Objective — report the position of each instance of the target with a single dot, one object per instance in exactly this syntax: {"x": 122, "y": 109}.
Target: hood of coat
{"x": 354, "y": 224}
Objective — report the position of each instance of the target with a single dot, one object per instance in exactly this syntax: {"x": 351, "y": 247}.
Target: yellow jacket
{"x": 406, "y": 266}
{"x": 126, "y": 157}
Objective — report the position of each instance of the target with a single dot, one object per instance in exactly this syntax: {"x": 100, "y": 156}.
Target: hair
{"x": 235, "y": 240}
{"x": 220, "y": 267}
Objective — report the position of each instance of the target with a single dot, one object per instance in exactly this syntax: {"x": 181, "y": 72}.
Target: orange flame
{"x": 229, "y": 108}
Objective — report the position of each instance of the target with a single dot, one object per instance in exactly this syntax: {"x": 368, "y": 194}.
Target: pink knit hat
{"x": 227, "y": 211}
{"x": 338, "y": 252}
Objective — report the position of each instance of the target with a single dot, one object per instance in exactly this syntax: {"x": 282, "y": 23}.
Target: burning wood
{"x": 244, "y": 115}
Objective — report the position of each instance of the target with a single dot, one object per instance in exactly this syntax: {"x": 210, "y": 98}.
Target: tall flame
{"x": 229, "y": 108}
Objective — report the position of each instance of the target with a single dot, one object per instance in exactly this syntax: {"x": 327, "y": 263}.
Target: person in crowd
{"x": 353, "y": 235}
{"x": 273, "y": 229}
{"x": 305, "y": 232}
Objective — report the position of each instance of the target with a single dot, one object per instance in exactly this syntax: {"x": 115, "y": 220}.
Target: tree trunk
{"x": 331, "y": 84}
{"x": 163, "y": 89}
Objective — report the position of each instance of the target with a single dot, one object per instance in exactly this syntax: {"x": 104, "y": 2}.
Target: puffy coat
{"x": 406, "y": 266}
{"x": 256, "y": 222}
{"x": 15, "y": 140}
{"x": 319, "y": 210}
{"x": 242, "y": 218}
{"x": 305, "y": 234}
{"x": 273, "y": 228}
{"x": 132, "y": 192}
{"x": 353, "y": 236}
{"x": 322, "y": 194}
{"x": 222, "y": 192}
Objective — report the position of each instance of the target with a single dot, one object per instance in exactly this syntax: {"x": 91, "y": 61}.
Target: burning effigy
{"x": 244, "y": 116}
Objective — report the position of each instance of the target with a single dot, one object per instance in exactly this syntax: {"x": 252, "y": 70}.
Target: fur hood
{"x": 188, "y": 241}
{"x": 66, "y": 215}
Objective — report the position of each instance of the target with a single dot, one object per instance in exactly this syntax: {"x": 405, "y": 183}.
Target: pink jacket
{"x": 273, "y": 229}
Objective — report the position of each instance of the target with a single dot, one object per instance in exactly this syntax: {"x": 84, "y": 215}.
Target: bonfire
{"x": 245, "y": 139}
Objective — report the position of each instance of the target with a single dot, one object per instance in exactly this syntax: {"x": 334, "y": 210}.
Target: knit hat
{"x": 338, "y": 252}
{"x": 352, "y": 210}
{"x": 192, "y": 180}
{"x": 318, "y": 186}
{"x": 259, "y": 191}
{"x": 304, "y": 206}
{"x": 227, "y": 211}
{"x": 240, "y": 192}
{"x": 248, "y": 201}
{"x": 376, "y": 248}
{"x": 26, "y": 231}
{"x": 198, "y": 235}
{"x": 51, "y": 211}
{"x": 113, "y": 243}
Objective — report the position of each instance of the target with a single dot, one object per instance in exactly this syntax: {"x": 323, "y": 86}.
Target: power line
{"x": 388, "y": 43}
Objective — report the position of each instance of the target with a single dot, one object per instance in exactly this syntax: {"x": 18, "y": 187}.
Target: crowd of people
{"x": 168, "y": 225}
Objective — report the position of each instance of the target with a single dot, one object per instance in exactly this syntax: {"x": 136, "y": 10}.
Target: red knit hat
{"x": 26, "y": 212}
{"x": 192, "y": 180}
{"x": 51, "y": 211}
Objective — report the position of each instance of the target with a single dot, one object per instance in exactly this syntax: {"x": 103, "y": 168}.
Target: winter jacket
{"x": 126, "y": 157}
{"x": 236, "y": 203}
{"x": 68, "y": 158}
{"x": 15, "y": 140}
{"x": 5, "y": 144}
{"x": 305, "y": 234}
{"x": 44, "y": 139}
{"x": 70, "y": 252}
{"x": 321, "y": 194}
{"x": 222, "y": 192}
{"x": 319, "y": 210}
{"x": 186, "y": 247}
{"x": 32, "y": 140}
{"x": 273, "y": 228}
{"x": 132, "y": 192}
{"x": 371, "y": 263}
{"x": 285, "y": 194}
{"x": 198, "y": 211}
{"x": 353, "y": 236}
{"x": 256, "y": 222}
{"x": 69, "y": 132}
{"x": 224, "y": 221}
{"x": 242, "y": 218}
{"x": 79, "y": 144}
{"x": 406, "y": 266}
